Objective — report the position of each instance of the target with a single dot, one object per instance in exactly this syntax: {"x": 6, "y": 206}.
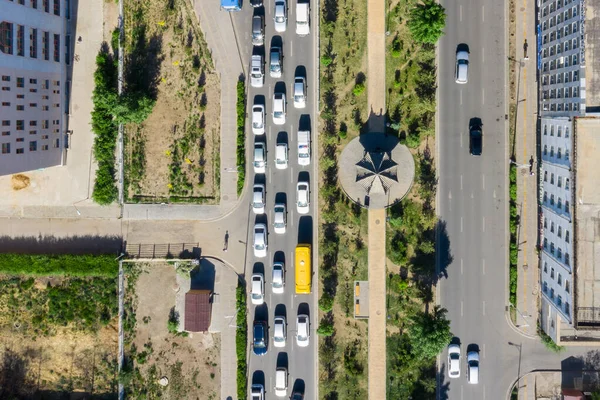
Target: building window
{"x": 46, "y": 45}
{"x": 6, "y": 104}
{"x": 20, "y": 124}
{"x": 56, "y": 48}
{"x": 552, "y": 252}
{"x": 46, "y": 4}
{"x": 560, "y": 231}
{"x": 5, "y": 122}
{"x": 551, "y": 151}
{"x": 545, "y": 176}
{"x": 559, "y": 154}
{"x": 6, "y": 88}
{"x": 33, "y": 105}
{"x": 551, "y": 199}
{"x": 567, "y": 205}
{"x": 57, "y": 7}
{"x": 20, "y": 40}
{"x": 545, "y": 243}
{"x": 566, "y": 131}
{"x": 559, "y": 131}
{"x": 33, "y": 123}
{"x": 5, "y": 133}
{"x": 545, "y": 196}
{"x": 559, "y": 255}
{"x": 567, "y": 150}
{"x": 552, "y": 178}
{"x": 552, "y": 293}
{"x": 545, "y": 149}
{"x": 559, "y": 203}
{"x": 45, "y": 124}
{"x": 567, "y": 183}
{"x": 552, "y": 227}
{"x": 33, "y": 132}
{"x": 20, "y": 107}
{"x": 20, "y": 82}
{"x": 567, "y": 286}
{"x": 559, "y": 300}
{"x": 44, "y": 108}
{"x": 545, "y": 287}
{"x": 567, "y": 309}
{"x": 6, "y": 37}
{"x": 5, "y": 78}
{"x": 545, "y": 222}
{"x": 32, "y": 43}
{"x": 559, "y": 181}
{"x": 20, "y": 140}
{"x": 44, "y": 147}
{"x": 559, "y": 280}
{"x": 34, "y": 3}
{"x": 57, "y": 143}
{"x": 567, "y": 237}
{"x": 21, "y": 151}
{"x": 545, "y": 127}
{"x": 552, "y": 273}
{"x": 33, "y": 145}
{"x": 567, "y": 258}
{"x": 20, "y": 96}
{"x": 545, "y": 267}
{"x": 5, "y": 148}
{"x": 44, "y": 137}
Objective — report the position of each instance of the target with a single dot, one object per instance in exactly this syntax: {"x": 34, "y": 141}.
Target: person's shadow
{"x": 226, "y": 244}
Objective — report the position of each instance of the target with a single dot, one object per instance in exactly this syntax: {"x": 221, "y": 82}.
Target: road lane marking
{"x": 270, "y": 175}
{"x": 483, "y": 224}
{"x": 461, "y": 182}
{"x": 462, "y": 390}
{"x": 494, "y": 193}
{"x": 484, "y": 309}
{"x": 483, "y": 13}
{"x": 460, "y": 11}
{"x": 291, "y": 174}
{"x": 483, "y": 266}
{"x": 461, "y": 224}
{"x": 483, "y": 392}
{"x": 483, "y": 181}
{"x": 483, "y": 55}
{"x": 482, "y": 96}
{"x": 461, "y": 97}
{"x": 484, "y": 346}
{"x": 461, "y": 308}
{"x": 461, "y": 266}
{"x": 461, "y": 141}
{"x": 472, "y": 195}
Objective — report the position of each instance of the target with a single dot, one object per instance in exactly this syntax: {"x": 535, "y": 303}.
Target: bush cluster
{"x": 241, "y": 135}
{"x": 58, "y": 265}
{"x": 241, "y": 337}
{"x": 513, "y": 225}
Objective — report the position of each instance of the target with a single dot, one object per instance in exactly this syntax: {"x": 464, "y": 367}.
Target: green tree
{"x": 429, "y": 333}
{"x": 427, "y": 21}
{"x": 326, "y": 302}
{"x": 325, "y": 328}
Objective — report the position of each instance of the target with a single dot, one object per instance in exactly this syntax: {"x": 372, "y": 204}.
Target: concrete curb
{"x": 516, "y": 329}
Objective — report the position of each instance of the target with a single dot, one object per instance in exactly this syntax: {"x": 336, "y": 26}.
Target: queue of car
{"x": 262, "y": 333}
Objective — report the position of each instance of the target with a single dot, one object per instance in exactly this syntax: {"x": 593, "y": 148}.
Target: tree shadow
{"x": 61, "y": 245}
{"x": 143, "y": 62}
{"x": 444, "y": 255}
{"x": 14, "y": 371}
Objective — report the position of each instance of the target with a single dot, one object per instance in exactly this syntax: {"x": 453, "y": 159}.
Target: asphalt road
{"x": 299, "y": 57}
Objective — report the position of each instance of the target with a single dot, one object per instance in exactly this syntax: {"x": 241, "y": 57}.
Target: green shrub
{"x": 241, "y": 337}
{"x": 548, "y": 342}
{"x": 359, "y": 88}
{"x": 325, "y": 328}
{"x": 58, "y": 265}
{"x": 326, "y": 60}
{"x": 241, "y": 135}
{"x": 326, "y": 302}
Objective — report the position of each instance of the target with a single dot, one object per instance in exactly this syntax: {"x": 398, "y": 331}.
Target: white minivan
{"x": 281, "y": 156}
{"x": 473, "y": 367}
{"x": 281, "y": 382}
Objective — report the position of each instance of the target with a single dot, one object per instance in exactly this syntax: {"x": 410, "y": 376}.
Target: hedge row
{"x": 514, "y": 223}
{"x": 241, "y": 337}
{"x": 105, "y": 128}
{"x": 59, "y": 265}
{"x": 241, "y": 135}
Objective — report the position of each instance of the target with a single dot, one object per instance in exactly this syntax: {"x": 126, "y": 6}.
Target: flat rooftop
{"x": 592, "y": 55}
{"x": 587, "y": 215}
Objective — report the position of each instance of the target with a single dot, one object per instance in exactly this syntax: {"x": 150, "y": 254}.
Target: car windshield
{"x": 279, "y": 224}
{"x": 278, "y": 114}
{"x": 298, "y": 97}
{"x": 454, "y": 356}
{"x": 256, "y": 74}
{"x": 275, "y": 67}
{"x": 256, "y": 296}
{"x": 277, "y": 283}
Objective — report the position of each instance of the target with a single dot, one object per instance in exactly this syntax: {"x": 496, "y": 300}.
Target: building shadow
{"x": 203, "y": 277}
{"x": 88, "y": 244}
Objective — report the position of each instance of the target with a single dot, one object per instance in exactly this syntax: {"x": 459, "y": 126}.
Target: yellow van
{"x": 303, "y": 270}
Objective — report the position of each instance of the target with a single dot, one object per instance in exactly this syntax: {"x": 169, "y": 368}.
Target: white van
{"x": 473, "y": 367}
{"x": 302, "y": 19}
{"x": 281, "y": 382}
{"x": 281, "y": 156}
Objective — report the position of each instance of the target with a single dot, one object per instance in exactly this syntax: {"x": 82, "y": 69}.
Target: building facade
{"x": 34, "y": 57}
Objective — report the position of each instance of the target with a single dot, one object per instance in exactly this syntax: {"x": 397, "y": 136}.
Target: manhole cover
{"x": 377, "y": 222}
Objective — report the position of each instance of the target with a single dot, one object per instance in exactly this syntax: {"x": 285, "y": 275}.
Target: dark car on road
{"x": 476, "y": 137}
{"x": 256, "y": 3}
{"x": 259, "y": 344}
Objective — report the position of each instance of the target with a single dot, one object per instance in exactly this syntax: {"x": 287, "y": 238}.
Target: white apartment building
{"x": 34, "y": 56}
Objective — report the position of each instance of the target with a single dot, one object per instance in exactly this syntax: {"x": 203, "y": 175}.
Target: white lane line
{"x": 270, "y": 175}
{"x": 494, "y": 193}
{"x": 461, "y": 182}
{"x": 483, "y": 225}
{"x": 461, "y": 141}
{"x": 460, "y": 11}
{"x": 461, "y": 266}
{"x": 472, "y": 195}
{"x": 484, "y": 350}
{"x": 461, "y": 224}
{"x": 483, "y": 266}
{"x": 482, "y": 96}
{"x": 483, "y": 55}
{"x": 291, "y": 48}
{"x": 483, "y": 181}
{"x": 291, "y": 217}
{"x": 461, "y": 97}
{"x": 484, "y": 308}
{"x": 483, "y": 13}
{"x": 483, "y": 392}
{"x": 291, "y": 174}
{"x": 461, "y": 308}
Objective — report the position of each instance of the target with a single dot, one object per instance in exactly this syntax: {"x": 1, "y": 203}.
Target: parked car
{"x": 302, "y": 330}
{"x": 260, "y": 240}
{"x": 278, "y": 279}
{"x": 260, "y": 158}
{"x": 302, "y": 198}
{"x": 280, "y": 16}
{"x": 302, "y": 19}
{"x": 258, "y": 30}
{"x": 281, "y": 156}
{"x": 299, "y": 92}
{"x": 279, "y": 108}
{"x": 258, "y": 198}
{"x": 258, "y": 289}
{"x": 258, "y": 119}
{"x": 258, "y": 392}
{"x": 257, "y": 71}
{"x": 276, "y": 62}
{"x": 259, "y": 340}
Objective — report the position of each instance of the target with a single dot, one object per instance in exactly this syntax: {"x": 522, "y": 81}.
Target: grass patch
{"x": 241, "y": 342}
{"x": 58, "y": 265}
{"x": 241, "y": 135}
{"x": 514, "y": 222}
{"x": 548, "y": 342}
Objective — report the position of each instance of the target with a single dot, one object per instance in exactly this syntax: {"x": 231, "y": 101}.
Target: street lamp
{"x": 520, "y": 346}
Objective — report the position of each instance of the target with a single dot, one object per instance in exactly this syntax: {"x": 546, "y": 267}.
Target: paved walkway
{"x": 376, "y": 86}
{"x": 525, "y": 149}
{"x": 377, "y": 304}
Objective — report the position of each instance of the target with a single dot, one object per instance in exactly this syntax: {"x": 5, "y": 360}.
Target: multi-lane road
{"x": 300, "y": 57}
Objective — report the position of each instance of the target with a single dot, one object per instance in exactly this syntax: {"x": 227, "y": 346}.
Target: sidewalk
{"x": 525, "y": 150}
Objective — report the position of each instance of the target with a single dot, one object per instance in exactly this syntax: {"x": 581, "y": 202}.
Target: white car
{"x": 279, "y": 222}
{"x": 302, "y": 19}
{"x": 258, "y": 289}
{"x": 299, "y": 92}
{"x": 258, "y": 392}
{"x": 454, "y": 361}
{"x": 278, "y": 280}
{"x": 462, "y": 67}
{"x": 280, "y": 16}
{"x": 258, "y": 119}
{"x": 279, "y": 334}
{"x": 260, "y": 240}
{"x": 302, "y": 330}
{"x": 302, "y": 198}
{"x": 258, "y": 198}
{"x": 260, "y": 158}
{"x": 473, "y": 367}
{"x": 279, "y": 108}
{"x": 281, "y": 156}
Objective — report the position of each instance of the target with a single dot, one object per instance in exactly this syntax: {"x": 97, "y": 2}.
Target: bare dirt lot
{"x": 174, "y": 154}
{"x": 190, "y": 363}
{"x": 50, "y": 345}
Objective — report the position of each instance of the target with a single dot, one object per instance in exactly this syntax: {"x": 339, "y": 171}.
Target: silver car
{"x": 280, "y": 16}
{"x": 279, "y": 334}
{"x": 278, "y": 279}
{"x": 279, "y": 222}
{"x": 299, "y": 92}
{"x": 279, "y": 108}
{"x": 258, "y": 198}
{"x": 260, "y": 241}
{"x": 258, "y": 289}
{"x": 462, "y": 67}
{"x": 258, "y": 119}
{"x": 276, "y": 62}
{"x": 260, "y": 158}
{"x": 454, "y": 361}
{"x": 302, "y": 330}
{"x": 302, "y": 198}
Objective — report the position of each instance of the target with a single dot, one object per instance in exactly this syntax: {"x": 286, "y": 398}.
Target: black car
{"x": 476, "y": 137}
{"x": 256, "y": 3}
{"x": 259, "y": 344}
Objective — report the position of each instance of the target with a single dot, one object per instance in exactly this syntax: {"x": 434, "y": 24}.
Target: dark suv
{"x": 260, "y": 342}
{"x": 475, "y": 137}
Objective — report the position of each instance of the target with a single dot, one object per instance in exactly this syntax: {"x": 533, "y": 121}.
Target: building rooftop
{"x": 592, "y": 55}
{"x": 197, "y": 310}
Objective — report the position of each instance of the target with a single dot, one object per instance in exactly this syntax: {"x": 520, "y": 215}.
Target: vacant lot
{"x": 190, "y": 363}
{"x": 174, "y": 154}
{"x": 54, "y": 341}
